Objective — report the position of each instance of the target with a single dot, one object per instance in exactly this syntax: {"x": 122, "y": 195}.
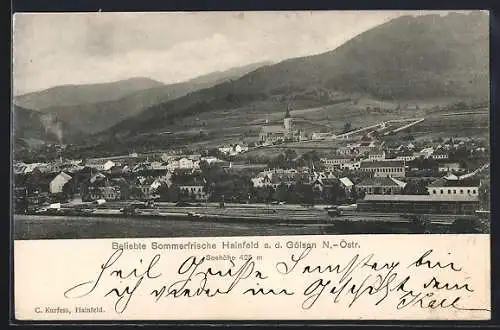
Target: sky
{"x": 51, "y": 49}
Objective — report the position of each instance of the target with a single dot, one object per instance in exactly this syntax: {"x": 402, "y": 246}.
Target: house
{"x": 167, "y": 158}
{"x": 158, "y": 166}
{"x": 272, "y": 134}
{"x": 393, "y": 168}
{"x": 73, "y": 168}
{"x": 405, "y": 155}
{"x": 427, "y": 204}
{"x": 18, "y": 167}
{"x": 376, "y": 154}
{"x": 240, "y": 148}
{"x": 352, "y": 166}
{"x": 194, "y": 189}
{"x": 97, "y": 178}
{"x": 381, "y": 185}
{"x": 110, "y": 193}
{"x": 186, "y": 163}
{"x": 366, "y": 146}
{"x": 233, "y": 149}
{"x": 450, "y": 167}
{"x": 100, "y": 164}
{"x": 335, "y": 162}
{"x": 210, "y": 160}
{"x": 349, "y": 150}
{"x": 57, "y": 183}
{"x": 439, "y": 155}
{"x": 182, "y": 164}
{"x": 263, "y": 179}
{"x": 108, "y": 165}
{"x": 453, "y": 185}
{"x": 321, "y": 136}
{"x": 320, "y": 184}
{"x": 346, "y": 183}
{"x": 144, "y": 187}
{"x": 425, "y": 152}
{"x": 28, "y": 168}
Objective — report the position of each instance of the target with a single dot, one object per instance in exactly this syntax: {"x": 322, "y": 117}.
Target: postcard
{"x": 295, "y": 165}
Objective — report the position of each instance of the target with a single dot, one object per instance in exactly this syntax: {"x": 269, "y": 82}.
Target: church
{"x": 280, "y": 133}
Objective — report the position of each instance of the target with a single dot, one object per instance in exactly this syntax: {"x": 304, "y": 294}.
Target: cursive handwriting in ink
{"x": 124, "y": 295}
{"x": 370, "y": 285}
{"x": 88, "y": 287}
{"x": 265, "y": 292}
{"x": 196, "y": 282}
{"x": 435, "y": 284}
{"x": 422, "y": 261}
{"x": 283, "y": 268}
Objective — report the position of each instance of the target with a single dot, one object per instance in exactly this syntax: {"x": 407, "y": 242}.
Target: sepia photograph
{"x": 225, "y": 124}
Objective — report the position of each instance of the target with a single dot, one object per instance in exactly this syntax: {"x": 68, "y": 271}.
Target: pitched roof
{"x": 346, "y": 182}
{"x": 64, "y": 176}
{"x": 380, "y": 182}
{"x": 382, "y": 163}
{"x": 467, "y": 182}
{"x": 421, "y": 198}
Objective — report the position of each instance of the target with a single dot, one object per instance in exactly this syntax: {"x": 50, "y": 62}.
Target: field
{"x": 242, "y": 125}
{"x": 50, "y": 227}
{"x": 448, "y": 125}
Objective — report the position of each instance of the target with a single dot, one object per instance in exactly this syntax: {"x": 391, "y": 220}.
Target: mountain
{"x": 424, "y": 57}
{"x": 93, "y": 117}
{"x": 70, "y": 95}
{"x": 30, "y": 124}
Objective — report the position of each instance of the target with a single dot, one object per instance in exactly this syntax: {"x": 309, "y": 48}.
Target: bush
{"x": 469, "y": 226}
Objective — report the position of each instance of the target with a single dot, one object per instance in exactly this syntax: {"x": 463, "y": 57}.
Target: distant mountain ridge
{"x": 422, "y": 57}
{"x": 93, "y": 117}
{"x": 70, "y": 95}
{"x": 30, "y": 124}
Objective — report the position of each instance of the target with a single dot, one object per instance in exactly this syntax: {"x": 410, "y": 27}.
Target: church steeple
{"x": 287, "y": 122}
{"x": 287, "y": 113}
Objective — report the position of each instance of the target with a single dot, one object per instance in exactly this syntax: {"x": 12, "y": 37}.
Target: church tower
{"x": 287, "y": 122}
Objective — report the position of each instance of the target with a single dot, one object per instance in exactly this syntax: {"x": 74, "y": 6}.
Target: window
{"x": 441, "y": 191}
{"x": 449, "y": 191}
{"x": 474, "y": 191}
{"x": 454, "y": 191}
{"x": 461, "y": 191}
{"x": 434, "y": 191}
{"x": 468, "y": 191}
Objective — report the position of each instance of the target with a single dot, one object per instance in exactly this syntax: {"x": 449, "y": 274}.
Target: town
{"x": 365, "y": 173}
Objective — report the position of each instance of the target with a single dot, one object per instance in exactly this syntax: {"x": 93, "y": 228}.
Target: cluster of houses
{"x": 233, "y": 149}
{"x": 385, "y": 190}
{"x": 113, "y": 178}
{"x": 371, "y": 173}
{"x": 319, "y": 180}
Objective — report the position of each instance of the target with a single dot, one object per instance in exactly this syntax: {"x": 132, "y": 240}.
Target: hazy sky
{"x": 76, "y": 48}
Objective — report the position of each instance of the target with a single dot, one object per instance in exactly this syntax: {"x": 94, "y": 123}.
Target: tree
{"x": 420, "y": 223}
{"x": 304, "y": 193}
{"x": 135, "y": 192}
{"x": 290, "y": 155}
{"x": 310, "y": 158}
{"x": 162, "y": 191}
{"x": 467, "y": 226}
{"x": 484, "y": 196}
{"x": 281, "y": 193}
